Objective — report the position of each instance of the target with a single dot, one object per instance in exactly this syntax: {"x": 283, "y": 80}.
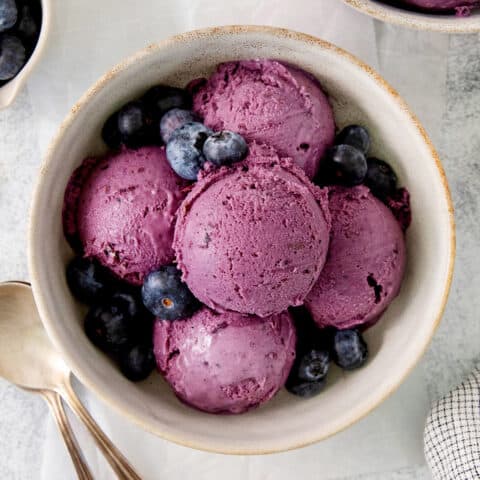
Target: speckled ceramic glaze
{"x": 358, "y": 95}
{"x": 447, "y": 23}
{"x": 11, "y": 89}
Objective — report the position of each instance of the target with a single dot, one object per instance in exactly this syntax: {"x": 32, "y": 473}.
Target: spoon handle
{"x": 55, "y": 403}
{"x": 114, "y": 457}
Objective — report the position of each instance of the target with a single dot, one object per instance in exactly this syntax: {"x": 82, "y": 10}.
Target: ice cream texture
{"x": 442, "y": 4}
{"x": 253, "y": 238}
{"x": 365, "y": 264}
{"x": 269, "y": 102}
{"x": 250, "y": 239}
{"x": 225, "y": 363}
{"x": 120, "y": 209}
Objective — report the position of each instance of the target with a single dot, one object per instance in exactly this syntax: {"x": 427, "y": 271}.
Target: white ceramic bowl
{"x": 358, "y": 94}
{"x": 419, "y": 20}
{"x": 12, "y": 88}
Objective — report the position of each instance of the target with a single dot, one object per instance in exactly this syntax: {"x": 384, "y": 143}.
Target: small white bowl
{"x": 419, "y": 20}
{"x": 11, "y": 89}
{"x": 359, "y": 95}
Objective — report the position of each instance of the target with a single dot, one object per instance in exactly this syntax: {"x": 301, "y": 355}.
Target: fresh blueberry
{"x": 304, "y": 389}
{"x": 28, "y": 26}
{"x": 344, "y": 165}
{"x": 137, "y": 363}
{"x": 184, "y": 150}
{"x": 12, "y": 56}
{"x": 312, "y": 361}
{"x": 184, "y": 158}
{"x": 355, "y": 136}
{"x": 132, "y": 124}
{"x": 313, "y": 365}
{"x": 8, "y": 14}
{"x": 349, "y": 349}
{"x": 225, "y": 148}
{"x": 110, "y": 132}
{"x": 196, "y": 132}
{"x": 309, "y": 336}
{"x": 87, "y": 279}
{"x": 110, "y": 327}
{"x": 380, "y": 178}
{"x": 162, "y": 98}
{"x": 127, "y": 302}
{"x": 166, "y": 296}
{"x": 130, "y": 301}
{"x": 173, "y": 119}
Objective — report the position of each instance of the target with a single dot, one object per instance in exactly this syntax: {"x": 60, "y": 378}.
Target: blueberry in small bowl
{"x": 23, "y": 29}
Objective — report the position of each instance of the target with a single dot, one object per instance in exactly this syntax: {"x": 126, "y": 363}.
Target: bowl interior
{"x": 357, "y": 95}
{"x": 439, "y": 22}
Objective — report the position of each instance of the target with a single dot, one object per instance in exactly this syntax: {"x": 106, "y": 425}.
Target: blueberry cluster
{"x": 20, "y": 22}
{"x": 347, "y": 163}
{"x": 163, "y": 116}
{"x": 193, "y": 144}
{"x": 116, "y": 322}
{"x": 316, "y": 349}
{"x": 120, "y": 317}
{"x": 137, "y": 123}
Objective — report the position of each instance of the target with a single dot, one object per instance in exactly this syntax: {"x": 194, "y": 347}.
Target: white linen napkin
{"x": 89, "y": 37}
{"x": 389, "y": 438}
{"x": 452, "y": 433}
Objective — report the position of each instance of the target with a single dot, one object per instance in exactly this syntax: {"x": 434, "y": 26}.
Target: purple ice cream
{"x": 365, "y": 264}
{"x": 253, "y": 238}
{"x": 438, "y": 5}
{"x": 120, "y": 209}
{"x": 225, "y": 363}
{"x": 272, "y": 103}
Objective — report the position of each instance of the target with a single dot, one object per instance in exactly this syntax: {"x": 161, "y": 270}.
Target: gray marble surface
{"x": 455, "y": 348}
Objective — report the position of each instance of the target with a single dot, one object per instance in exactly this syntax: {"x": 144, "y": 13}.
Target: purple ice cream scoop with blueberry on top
{"x": 269, "y": 102}
{"x": 253, "y": 238}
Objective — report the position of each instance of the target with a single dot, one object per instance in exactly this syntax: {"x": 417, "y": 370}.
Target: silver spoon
{"x": 29, "y": 360}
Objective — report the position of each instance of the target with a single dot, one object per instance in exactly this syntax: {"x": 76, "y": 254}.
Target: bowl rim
{"x": 417, "y": 20}
{"x": 49, "y": 323}
{"x": 12, "y": 88}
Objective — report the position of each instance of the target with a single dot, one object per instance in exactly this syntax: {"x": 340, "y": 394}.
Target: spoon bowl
{"x": 27, "y": 357}
{"x": 29, "y": 360}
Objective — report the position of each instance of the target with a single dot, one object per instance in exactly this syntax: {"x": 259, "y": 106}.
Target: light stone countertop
{"x": 455, "y": 348}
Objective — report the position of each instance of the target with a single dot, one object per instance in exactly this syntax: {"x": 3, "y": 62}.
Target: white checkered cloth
{"x": 452, "y": 433}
